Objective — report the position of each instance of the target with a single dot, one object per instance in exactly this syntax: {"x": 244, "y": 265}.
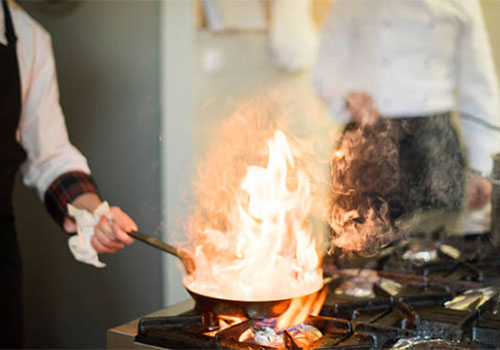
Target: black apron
{"x": 432, "y": 166}
{"x": 11, "y": 157}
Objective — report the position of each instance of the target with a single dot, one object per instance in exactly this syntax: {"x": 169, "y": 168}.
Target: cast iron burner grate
{"x": 348, "y": 324}
{"x": 479, "y": 262}
{"x": 415, "y": 314}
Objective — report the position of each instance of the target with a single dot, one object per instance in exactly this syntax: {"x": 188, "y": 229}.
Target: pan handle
{"x": 188, "y": 262}
{"x": 154, "y": 242}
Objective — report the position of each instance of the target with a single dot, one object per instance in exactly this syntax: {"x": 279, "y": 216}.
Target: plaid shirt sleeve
{"x": 64, "y": 190}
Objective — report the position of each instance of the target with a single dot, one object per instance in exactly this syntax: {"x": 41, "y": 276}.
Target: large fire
{"x": 250, "y": 237}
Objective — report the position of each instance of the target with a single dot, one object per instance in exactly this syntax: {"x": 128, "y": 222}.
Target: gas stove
{"x": 424, "y": 293}
{"x": 453, "y": 261}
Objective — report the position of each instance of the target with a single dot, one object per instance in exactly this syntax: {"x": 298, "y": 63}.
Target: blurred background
{"x": 143, "y": 86}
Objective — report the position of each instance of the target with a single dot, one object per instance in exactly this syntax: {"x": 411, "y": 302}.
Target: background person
{"x": 413, "y": 63}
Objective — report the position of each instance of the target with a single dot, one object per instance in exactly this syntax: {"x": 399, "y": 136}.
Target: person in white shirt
{"x": 412, "y": 63}
{"x": 33, "y": 136}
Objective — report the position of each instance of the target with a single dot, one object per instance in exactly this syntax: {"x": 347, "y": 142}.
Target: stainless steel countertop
{"x": 122, "y": 337}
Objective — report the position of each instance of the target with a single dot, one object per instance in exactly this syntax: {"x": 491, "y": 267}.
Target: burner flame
{"x": 301, "y": 308}
{"x": 267, "y": 333}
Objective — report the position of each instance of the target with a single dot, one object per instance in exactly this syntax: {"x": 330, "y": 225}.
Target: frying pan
{"x": 208, "y": 304}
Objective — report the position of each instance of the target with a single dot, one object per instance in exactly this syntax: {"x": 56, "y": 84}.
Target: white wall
{"x": 177, "y": 32}
{"x": 234, "y": 67}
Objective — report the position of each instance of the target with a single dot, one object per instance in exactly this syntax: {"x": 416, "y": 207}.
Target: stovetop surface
{"x": 437, "y": 300}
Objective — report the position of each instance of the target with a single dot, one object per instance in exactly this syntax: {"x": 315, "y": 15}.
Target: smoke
{"x": 383, "y": 176}
{"x": 389, "y": 174}
{"x": 365, "y": 171}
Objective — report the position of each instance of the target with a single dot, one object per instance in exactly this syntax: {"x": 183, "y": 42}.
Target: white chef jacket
{"x": 42, "y": 130}
{"x": 415, "y": 58}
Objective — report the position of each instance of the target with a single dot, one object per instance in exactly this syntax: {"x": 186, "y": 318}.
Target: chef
{"x": 413, "y": 63}
{"x": 33, "y": 137}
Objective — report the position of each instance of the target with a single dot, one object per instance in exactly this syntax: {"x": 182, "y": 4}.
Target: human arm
{"x": 54, "y": 166}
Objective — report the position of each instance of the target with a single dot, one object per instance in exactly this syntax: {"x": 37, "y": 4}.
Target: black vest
{"x": 11, "y": 153}
{"x": 11, "y": 157}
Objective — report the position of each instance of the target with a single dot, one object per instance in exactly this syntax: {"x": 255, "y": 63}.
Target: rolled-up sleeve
{"x": 51, "y": 158}
{"x": 64, "y": 190}
{"x": 478, "y": 94}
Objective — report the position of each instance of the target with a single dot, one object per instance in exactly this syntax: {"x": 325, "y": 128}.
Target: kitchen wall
{"x": 491, "y": 11}
{"x": 107, "y": 55}
{"x": 177, "y": 42}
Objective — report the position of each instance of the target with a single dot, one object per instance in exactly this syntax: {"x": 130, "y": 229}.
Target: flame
{"x": 246, "y": 335}
{"x": 301, "y": 308}
{"x": 250, "y": 235}
{"x": 229, "y": 320}
{"x": 295, "y": 315}
{"x": 224, "y": 321}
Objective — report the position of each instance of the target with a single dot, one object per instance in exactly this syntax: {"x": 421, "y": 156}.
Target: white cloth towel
{"x": 86, "y": 222}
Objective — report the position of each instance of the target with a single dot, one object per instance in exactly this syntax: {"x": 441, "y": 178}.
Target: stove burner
{"x": 441, "y": 303}
{"x": 357, "y": 282}
{"x": 169, "y": 333}
{"x": 343, "y": 324}
{"x": 265, "y": 333}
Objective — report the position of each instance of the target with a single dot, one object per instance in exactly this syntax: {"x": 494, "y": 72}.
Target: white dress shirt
{"x": 415, "y": 58}
{"x": 42, "y": 130}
